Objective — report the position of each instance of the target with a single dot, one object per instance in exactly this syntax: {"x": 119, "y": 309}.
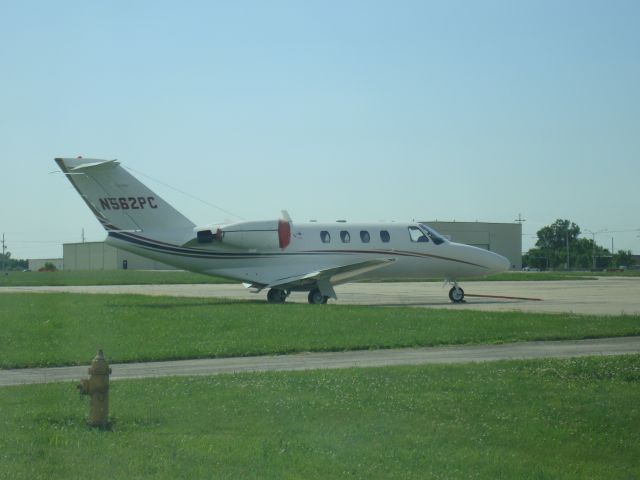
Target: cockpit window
{"x": 417, "y": 235}
{"x": 432, "y": 234}
{"x": 325, "y": 236}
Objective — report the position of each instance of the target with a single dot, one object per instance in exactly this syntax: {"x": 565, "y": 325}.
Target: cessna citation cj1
{"x": 278, "y": 255}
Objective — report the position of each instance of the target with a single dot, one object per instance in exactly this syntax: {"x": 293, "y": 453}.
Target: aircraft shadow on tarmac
{"x": 448, "y": 304}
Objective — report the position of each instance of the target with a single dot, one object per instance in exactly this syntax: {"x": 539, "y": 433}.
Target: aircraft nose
{"x": 497, "y": 263}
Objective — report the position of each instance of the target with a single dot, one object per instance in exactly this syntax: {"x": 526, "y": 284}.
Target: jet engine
{"x": 262, "y": 235}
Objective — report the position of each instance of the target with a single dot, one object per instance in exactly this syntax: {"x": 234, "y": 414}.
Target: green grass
{"x": 106, "y": 277}
{"x": 67, "y": 329}
{"x": 557, "y": 276}
{"x": 539, "y": 276}
{"x": 560, "y": 419}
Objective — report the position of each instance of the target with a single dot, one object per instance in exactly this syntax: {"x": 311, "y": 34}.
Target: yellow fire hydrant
{"x": 97, "y": 386}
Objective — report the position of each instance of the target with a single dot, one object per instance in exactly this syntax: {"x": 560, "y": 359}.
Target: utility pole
{"x": 4, "y": 248}
{"x": 568, "y": 266}
{"x": 520, "y": 221}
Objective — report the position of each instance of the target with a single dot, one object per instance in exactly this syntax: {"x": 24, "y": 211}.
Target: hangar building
{"x": 100, "y": 256}
{"x": 502, "y": 238}
{"x": 35, "y": 264}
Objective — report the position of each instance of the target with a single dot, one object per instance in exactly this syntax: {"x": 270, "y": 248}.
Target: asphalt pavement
{"x": 603, "y": 296}
{"x": 333, "y": 360}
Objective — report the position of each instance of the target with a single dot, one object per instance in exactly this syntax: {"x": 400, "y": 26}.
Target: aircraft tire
{"x": 316, "y": 298}
{"x": 456, "y": 294}
{"x": 276, "y": 295}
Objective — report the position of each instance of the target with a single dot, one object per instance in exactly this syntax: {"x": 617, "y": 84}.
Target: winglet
{"x": 286, "y": 216}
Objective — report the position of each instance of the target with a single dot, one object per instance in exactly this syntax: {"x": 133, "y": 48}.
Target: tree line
{"x": 558, "y": 247}
{"x": 8, "y": 263}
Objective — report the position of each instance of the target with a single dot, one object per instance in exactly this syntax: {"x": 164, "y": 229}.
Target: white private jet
{"x": 278, "y": 255}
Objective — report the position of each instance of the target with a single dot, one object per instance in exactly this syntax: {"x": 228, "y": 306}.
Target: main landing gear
{"x": 275, "y": 295}
{"x": 456, "y": 294}
{"x": 316, "y": 298}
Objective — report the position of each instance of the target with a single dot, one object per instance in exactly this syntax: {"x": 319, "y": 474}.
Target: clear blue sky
{"x": 364, "y": 110}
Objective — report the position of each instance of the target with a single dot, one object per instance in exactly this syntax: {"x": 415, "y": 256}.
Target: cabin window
{"x": 325, "y": 236}
{"x": 345, "y": 237}
{"x": 384, "y": 236}
{"x": 364, "y": 236}
{"x": 417, "y": 235}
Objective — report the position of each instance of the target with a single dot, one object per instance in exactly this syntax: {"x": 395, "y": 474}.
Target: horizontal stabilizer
{"x": 73, "y": 164}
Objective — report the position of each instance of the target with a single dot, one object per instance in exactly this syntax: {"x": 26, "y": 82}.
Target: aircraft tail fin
{"x": 120, "y": 201}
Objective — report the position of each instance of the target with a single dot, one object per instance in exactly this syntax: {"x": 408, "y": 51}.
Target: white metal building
{"x": 100, "y": 256}
{"x": 36, "y": 264}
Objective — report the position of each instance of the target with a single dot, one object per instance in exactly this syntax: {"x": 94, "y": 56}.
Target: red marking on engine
{"x": 284, "y": 233}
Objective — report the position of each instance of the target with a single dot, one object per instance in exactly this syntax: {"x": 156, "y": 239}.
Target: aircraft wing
{"x": 325, "y": 279}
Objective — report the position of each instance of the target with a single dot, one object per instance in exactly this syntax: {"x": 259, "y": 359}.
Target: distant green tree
{"x": 5, "y": 261}
{"x": 48, "y": 267}
{"x": 535, "y": 258}
{"x": 623, "y": 258}
{"x": 556, "y": 235}
{"x": 20, "y": 264}
{"x": 8, "y": 263}
{"x": 550, "y": 251}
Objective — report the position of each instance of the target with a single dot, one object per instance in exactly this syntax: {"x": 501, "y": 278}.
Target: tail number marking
{"x": 127, "y": 203}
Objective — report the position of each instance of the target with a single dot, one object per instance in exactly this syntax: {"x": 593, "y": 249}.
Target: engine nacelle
{"x": 266, "y": 235}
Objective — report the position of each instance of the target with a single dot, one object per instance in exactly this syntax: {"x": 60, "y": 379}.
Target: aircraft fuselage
{"x": 310, "y": 249}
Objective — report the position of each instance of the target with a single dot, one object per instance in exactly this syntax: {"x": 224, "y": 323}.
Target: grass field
{"x": 66, "y": 329}
{"x": 568, "y": 419}
{"x": 557, "y": 276}
{"x": 106, "y": 277}
{"x": 560, "y": 419}
{"x": 137, "y": 277}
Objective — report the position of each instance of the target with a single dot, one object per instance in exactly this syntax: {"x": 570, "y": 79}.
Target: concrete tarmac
{"x": 333, "y": 360}
{"x": 603, "y": 296}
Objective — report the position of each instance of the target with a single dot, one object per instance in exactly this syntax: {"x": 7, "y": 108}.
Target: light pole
{"x": 546, "y": 244}
{"x": 567, "y": 233}
{"x": 611, "y": 262}
{"x": 4, "y": 249}
{"x": 611, "y": 245}
{"x": 593, "y": 234}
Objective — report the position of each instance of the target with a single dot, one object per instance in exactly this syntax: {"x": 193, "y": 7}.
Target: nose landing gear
{"x": 456, "y": 294}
